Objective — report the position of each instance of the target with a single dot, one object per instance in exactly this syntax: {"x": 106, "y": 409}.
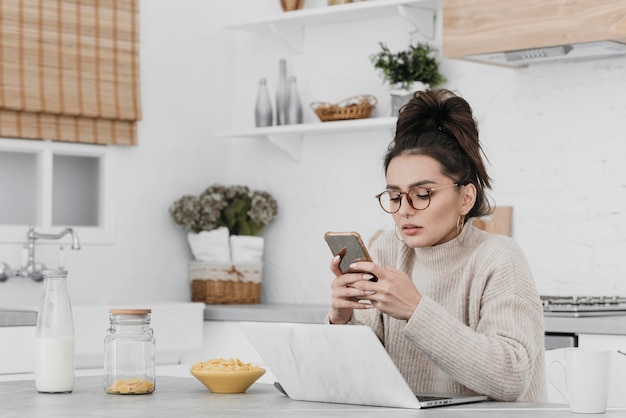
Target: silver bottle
{"x": 294, "y": 106}
{"x": 282, "y": 93}
{"x": 263, "y": 114}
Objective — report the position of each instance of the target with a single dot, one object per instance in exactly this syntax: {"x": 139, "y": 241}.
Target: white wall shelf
{"x": 289, "y": 137}
{"x": 290, "y": 25}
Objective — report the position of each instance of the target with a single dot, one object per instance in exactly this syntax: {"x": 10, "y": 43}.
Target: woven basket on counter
{"x": 218, "y": 284}
{"x": 355, "y": 107}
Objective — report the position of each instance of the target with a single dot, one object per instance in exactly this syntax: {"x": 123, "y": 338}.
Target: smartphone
{"x": 349, "y": 246}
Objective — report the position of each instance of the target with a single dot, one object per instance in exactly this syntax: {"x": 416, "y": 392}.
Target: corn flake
{"x": 222, "y": 365}
{"x": 131, "y": 386}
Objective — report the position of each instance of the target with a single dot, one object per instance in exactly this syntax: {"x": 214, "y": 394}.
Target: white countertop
{"x": 185, "y": 396}
{"x": 267, "y": 312}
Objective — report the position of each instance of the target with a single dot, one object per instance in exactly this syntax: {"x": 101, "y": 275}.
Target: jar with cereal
{"x": 129, "y": 353}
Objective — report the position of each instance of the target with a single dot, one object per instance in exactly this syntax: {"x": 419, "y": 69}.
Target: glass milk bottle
{"x": 129, "y": 353}
{"x": 54, "y": 365}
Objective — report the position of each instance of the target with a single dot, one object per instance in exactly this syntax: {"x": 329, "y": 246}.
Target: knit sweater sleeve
{"x": 483, "y": 327}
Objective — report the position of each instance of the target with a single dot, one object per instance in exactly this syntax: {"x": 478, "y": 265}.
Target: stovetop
{"x": 582, "y": 306}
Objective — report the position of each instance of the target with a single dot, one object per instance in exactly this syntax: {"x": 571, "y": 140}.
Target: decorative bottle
{"x": 294, "y": 106}
{"x": 282, "y": 93}
{"x": 129, "y": 353}
{"x": 263, "y": 115}
{"x": 54, "y": 365}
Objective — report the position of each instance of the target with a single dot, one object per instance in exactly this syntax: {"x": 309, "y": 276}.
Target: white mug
{"x": 587, "y": 374}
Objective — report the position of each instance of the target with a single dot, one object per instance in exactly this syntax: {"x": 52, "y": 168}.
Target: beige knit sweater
{"x": 479, "y": 326}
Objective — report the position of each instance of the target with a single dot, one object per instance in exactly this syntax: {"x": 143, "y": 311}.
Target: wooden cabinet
{"x": 473, "y": 27}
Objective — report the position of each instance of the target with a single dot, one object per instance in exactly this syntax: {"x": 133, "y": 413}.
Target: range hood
{"x": 575, "y": 52}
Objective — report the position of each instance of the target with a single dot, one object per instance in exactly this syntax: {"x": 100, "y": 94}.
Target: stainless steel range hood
{"x": 574, "y": 52}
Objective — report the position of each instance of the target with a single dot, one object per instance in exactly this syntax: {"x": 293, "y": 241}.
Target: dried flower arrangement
{"x": 241, "y": 210}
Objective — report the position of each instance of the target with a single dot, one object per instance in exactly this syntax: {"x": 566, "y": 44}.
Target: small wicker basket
{"x": 217, "y": 284}
{"x": 355, "y": 107}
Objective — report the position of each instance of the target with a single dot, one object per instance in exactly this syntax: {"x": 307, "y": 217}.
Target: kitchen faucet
{"x": 33, "y": 269}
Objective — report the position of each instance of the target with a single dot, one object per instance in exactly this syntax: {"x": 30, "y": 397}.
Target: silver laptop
{"x": 338, "y": 364}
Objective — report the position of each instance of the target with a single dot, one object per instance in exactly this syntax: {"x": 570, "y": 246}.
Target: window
{"x": 18, "y": 185}
{"x": 54, "y": 185}
{"x": 75, "y": 190}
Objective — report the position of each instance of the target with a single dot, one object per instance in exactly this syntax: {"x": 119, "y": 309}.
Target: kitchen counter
{"x": 267, "y": 312}
{"x": 182, "y": 396}
{"x": 609, "y": 325}
{"x": 17, "y": 318}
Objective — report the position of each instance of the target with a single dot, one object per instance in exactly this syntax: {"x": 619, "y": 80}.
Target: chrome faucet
{"x": 33, "y": 269}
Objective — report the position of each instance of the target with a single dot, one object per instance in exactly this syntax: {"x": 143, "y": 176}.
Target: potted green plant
{"x": 406, "y": 71}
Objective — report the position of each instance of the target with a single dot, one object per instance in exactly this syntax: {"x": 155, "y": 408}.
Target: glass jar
{"x": 129, "y": 353}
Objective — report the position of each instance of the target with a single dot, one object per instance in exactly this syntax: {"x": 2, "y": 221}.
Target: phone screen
{"x": 349, "y": 245}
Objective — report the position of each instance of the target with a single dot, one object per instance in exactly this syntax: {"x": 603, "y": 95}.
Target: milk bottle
{"x": 54, "y": 366}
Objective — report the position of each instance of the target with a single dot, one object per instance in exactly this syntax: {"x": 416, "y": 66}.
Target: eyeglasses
{"x": 418, "y": 198}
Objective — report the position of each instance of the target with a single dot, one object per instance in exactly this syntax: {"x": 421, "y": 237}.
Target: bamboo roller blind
{"x": 69, "y": 70}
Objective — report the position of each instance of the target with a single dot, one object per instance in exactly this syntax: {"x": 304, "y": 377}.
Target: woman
{"x": 456, "y": 307}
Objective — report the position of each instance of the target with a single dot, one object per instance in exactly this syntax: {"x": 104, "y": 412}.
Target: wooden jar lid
{"x": 130, "y": 311}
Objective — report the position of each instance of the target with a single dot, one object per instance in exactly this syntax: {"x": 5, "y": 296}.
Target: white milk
{"x": 54, "y": 368}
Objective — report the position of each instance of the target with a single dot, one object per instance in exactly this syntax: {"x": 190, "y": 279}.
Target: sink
{"x": 17, "y": 318}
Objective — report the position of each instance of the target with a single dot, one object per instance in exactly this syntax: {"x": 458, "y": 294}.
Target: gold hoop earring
{"x": 395, "y": 232}
{"x": 460, "y": 222}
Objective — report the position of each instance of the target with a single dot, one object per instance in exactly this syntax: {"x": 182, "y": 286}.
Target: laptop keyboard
{"x": 431, "y": 398}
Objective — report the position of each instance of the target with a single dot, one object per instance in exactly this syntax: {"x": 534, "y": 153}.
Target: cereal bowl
{"x": 229, "y": 381}
{"x": 232, "y": 376}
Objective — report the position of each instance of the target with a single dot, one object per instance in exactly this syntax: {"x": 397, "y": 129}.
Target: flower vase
{"x": 401, "y": 96}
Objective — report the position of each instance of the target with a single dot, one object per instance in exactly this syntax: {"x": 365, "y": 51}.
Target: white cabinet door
{"x": 17, "y": 350}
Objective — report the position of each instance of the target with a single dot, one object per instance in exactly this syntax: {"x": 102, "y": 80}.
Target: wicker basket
{"x": 219, "y": 284}
{"x": 355, "y": 107}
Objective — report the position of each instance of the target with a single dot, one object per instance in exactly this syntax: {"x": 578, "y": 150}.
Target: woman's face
{"x": 438, "y": 222}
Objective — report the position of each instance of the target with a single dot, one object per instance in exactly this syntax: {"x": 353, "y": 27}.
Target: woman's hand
{"x": 394, "y": 293}
{"x": 344, "y": 296}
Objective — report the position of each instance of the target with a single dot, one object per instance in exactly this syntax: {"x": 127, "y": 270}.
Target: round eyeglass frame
{"x": 429, "y": 192}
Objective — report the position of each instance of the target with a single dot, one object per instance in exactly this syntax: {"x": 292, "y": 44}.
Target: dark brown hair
{"x": 439, "y": 124}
